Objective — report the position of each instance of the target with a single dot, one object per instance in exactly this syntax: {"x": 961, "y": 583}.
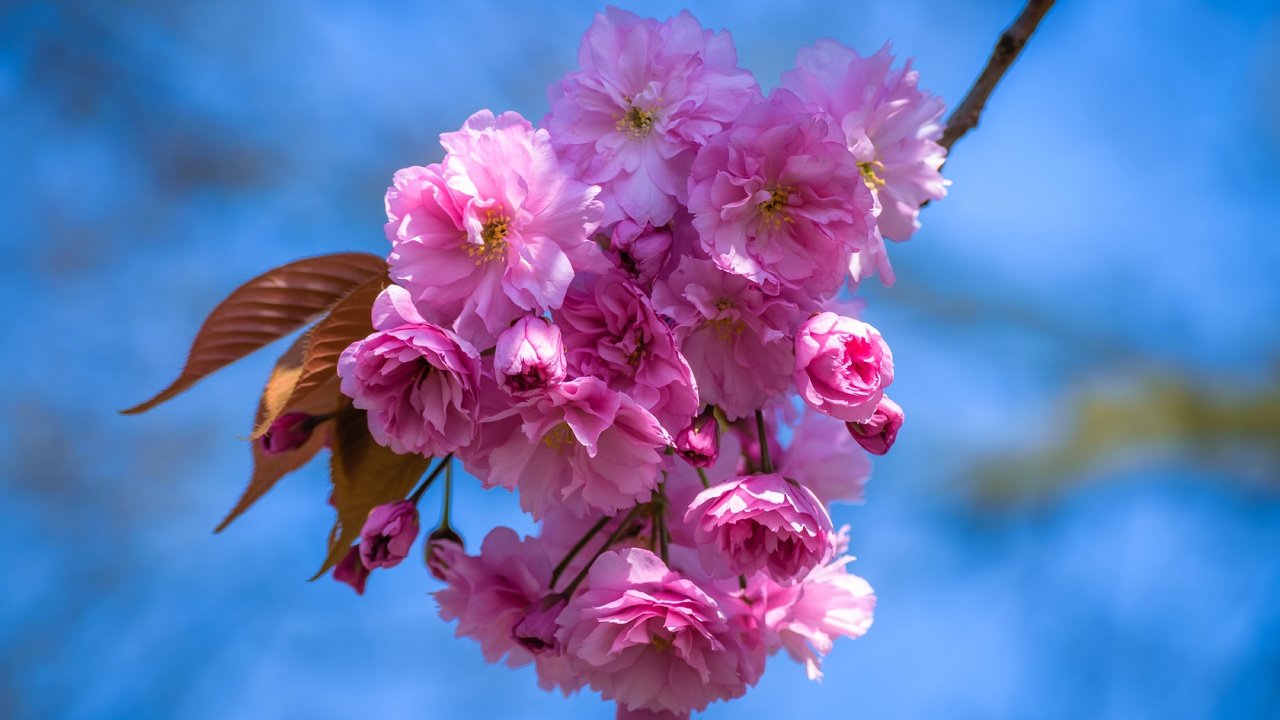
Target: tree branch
{"x": 969, "y": 111}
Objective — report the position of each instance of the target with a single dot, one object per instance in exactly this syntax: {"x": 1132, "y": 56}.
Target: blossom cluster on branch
{"x": 611, "y": 314}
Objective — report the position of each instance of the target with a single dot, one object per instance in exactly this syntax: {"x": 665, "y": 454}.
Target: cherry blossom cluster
{"x": 633, "y": 315}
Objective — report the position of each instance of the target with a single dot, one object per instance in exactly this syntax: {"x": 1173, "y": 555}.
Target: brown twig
{"x": 966, "y": 115}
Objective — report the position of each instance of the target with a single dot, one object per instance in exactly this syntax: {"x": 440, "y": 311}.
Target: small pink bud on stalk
{"x": 388, "y": 533}
{"x": 699, "y": 444}
{"x": 436, "y": 564}
{"x": 536, "y": 630}
{"x": 878, "y": 434}
{"x": 289, "y": 432}
{"x": 529, "y": 356}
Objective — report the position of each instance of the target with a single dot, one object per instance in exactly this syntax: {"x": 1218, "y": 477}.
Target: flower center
{"x": 637, "y": 122}
{"x": 662, "y": 641}
{"x": 774, "y": 210}
{"x": 559, "y": 437}
{"x": 726, "y": 328}
{"x": 493, "y": 237}
{"x": 871, "y": 173}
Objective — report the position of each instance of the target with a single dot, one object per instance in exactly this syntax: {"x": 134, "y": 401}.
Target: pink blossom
{"x": 805, "y": 619}
{"x": 733, "y": 335}
{"x": 890, "y": 125}
{"x": 351, "y": 570}
{"x": 761, "y": 522}
{"x": 842, "y": 366}
{"x": 823, "y": 458}
{"x": 879, "y": 433}
{"x": 488, "y": 594}
{"x": 529, "y": 356}
{"x": 418, "y": 381}
{"x": 497, "y": 229}
{"x": 641, "y": 251}
{"x": 651, "y": 639}
{"x": 778, "y": 199}
{"x": 536, "y": 630}
{"x": 699, "y": 443}
{"x": 289, "y": 432}
{"x": 388, "y": 533}
{"x": 625, "y": 714}
{"x": 611, "y": 332}
{"x": 579, "y": 445}
{"x": 646, "y": 96}
{"x": 442, "y": 544}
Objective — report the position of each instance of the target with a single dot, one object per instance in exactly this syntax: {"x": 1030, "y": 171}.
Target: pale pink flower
{"x": 842, "y": 366}
{"x": 823, "y": 458}
{"x": 488, "y": 594}
{"x": 890, "y": 125}
{"x": 651, "y": 639}
{"x": 494, "y": 231}
{"x": 778, "y": 199}
{"x": 761, "y": 522}
{"x": 879, "y": 433}
{"x": 733, "y": 335}
{"x": 646, "y": 96}
{"x": 529, "y": 356}
{"x": 805, "y": 619}
{"x": 579, "y": 445}
{"x": 418, "y": 382}
{"x": 388, "y": 533}
{"x": 611, "y": 332}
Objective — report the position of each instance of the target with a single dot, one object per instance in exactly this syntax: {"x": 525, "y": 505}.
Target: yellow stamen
{"x": 774, "y": 210}
{"x": 493, "y": 238}
{"x": 871, "y": 174}
{"x": 559, "y": 437}
{"x": 637, "y": 122}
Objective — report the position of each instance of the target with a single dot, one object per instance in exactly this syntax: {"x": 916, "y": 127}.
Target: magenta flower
{"x": 580, "y": 445}
{"x": 611, "y": 332}
{"x": 351, "y": 570}
{"x": 494, "y": 231}
{"x": 289, "y": 432}
{"x": 733, "y": 335}
{"x": 489, "y": 594}
{"x": 890, "y": 126}
{"x": 641, "y": 251}
{"x": 778, "y": 199}
{"x": 879, "y": 433}
{"x": 699, "y": 443}
{"x": 761, "y": 522}
{"x": 842, "y": 366}
{"x": 823, "y": 458}
{"x": 388, "y": 533}
{"x": 646, "y": 96}
{"x": 529, "y": 356}
{"x": 647, "y": 637}
{"x": 418, "y": 381}
{"x": 442, "y": 544}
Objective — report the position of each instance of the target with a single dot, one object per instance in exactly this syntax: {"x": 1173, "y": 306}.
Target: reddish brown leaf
{"x": 365, "y": 475}
{"x": 266, "y": 309}
{"x": 347, "y": 322}
{"x": 267, "y": 469}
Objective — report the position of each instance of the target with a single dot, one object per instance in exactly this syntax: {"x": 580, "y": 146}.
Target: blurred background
{"x": 1082, "y": 516}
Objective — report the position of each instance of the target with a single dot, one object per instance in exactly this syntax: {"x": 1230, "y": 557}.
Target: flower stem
{"x": 417, "y": 494}
{"x": 577, "y": 548}
{"x": 448, "y": 496}
{"x": 618, "y": 532}
{"x": 766, "y": 464}
{"x": 702, "y": 475}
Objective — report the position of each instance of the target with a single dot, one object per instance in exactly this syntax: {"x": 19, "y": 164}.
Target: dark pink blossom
{"x": 529, "y": 356}
{"x": 388, "y": 533}
{"x": 879, "y": 433}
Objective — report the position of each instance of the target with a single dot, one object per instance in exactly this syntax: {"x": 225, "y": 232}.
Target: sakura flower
{"x": 761, "y": 522}
{"x": 778, "y": 199}
{"x": 529, "y": 356}
{"x": 611, "y": 332}
{"x": 842, "y": 366}
{"x": 646, "y": 96}
{"x": 651, "y": 639}
{"x": 699, "y": 443}
{"x": 805, "y": 619}
{"x": 388, "y": 533}
{"x": 442, "y": 544}
{"x": 289, "y": 432}
{"x": 890, "y": 125}
{"x": 823, "y": 458}
{"x": 879, "y": 433}
{"x": 418, "y": 381}
{"x": 579, "y": 445}
{"x": 732, "y": 334}
{"x": 490, "y": 593}
{"x": 497, "y": 229}
{"x": 641, "y": 251}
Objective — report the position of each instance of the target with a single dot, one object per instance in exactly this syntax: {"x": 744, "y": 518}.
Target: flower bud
{"x": 699, "y": 444}
{"x": 529, "y": 356}
{"x": 437, "y": 554}
{"x": 352, "y": 571}
{"x": 878, "y": 434}
{"x": 388, "y": 534}
{"x": 536, "y": 630}
{"x": 289, "y": 432}
{"x": 640, "y": 250}
{"x": 842, "y": 366}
